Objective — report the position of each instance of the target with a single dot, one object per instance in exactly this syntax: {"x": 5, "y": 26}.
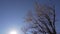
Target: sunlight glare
{"x": 13, "y": 32}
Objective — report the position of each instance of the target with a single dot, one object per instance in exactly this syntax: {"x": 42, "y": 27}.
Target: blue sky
{"x": 57, "y": 15}
{"x": 12, "y": 13}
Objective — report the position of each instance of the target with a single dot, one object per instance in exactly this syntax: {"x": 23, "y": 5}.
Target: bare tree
{"x": 43, "y": 19}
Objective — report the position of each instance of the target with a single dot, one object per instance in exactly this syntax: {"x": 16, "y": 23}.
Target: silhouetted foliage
{"x": 43, "y": 19}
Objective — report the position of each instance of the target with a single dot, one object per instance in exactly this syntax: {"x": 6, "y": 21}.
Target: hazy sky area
{"x": 12, "y": 13}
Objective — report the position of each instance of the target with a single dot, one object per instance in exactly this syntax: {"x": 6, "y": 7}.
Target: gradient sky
{"x": 12, "y": 13}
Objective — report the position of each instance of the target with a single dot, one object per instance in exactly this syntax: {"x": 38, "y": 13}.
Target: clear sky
{"x": 57, "y": 9}
{"x": 12, "y": 13}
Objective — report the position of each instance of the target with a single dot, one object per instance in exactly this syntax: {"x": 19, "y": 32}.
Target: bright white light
{"x": 13, "y": 32}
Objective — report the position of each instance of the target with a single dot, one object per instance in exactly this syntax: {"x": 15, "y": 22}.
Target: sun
{"x": 13, "y": 32}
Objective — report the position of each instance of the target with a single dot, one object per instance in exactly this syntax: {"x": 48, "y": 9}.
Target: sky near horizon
{"x": 12, "y": 13}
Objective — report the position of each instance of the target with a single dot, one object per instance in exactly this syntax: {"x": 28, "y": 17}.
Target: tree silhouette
{"x": 43, "y": 19}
